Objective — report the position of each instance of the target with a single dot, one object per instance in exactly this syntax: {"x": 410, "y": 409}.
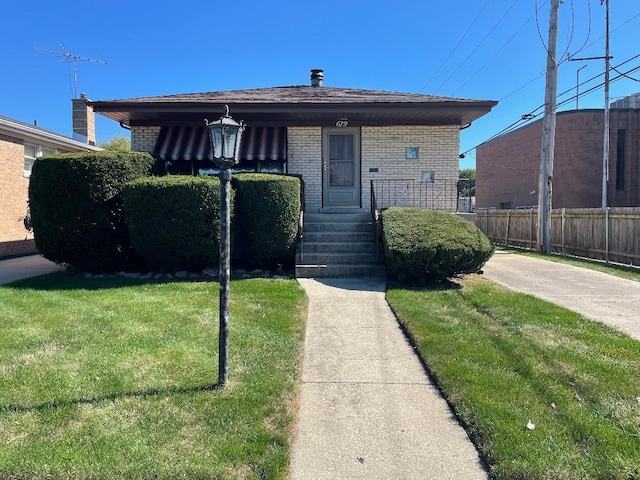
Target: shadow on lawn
{"x": 109, "y": 398}
{"x": 68, "y": 281}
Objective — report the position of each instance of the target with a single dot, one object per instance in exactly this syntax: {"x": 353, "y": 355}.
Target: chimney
{"x": 317, "y": 76}
{"x": 84, "y": 120}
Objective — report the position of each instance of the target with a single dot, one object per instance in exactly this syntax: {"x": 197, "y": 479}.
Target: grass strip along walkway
{"x": 115, "y": 378}
{"x": 543, "y": 392}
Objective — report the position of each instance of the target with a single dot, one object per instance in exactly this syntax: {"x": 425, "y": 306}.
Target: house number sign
{"x": 342, "y": 123}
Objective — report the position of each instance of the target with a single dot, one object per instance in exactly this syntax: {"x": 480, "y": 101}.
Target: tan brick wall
{"x": 143, "y": 139}
{"x": 14, "y": 188}
{"x": 304, "y": 157}
{"x": 384, "y": 148}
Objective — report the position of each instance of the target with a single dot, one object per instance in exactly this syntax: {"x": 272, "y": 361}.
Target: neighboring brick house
{"x": 508, "y": 167}
{"x": 337, "y": 139}
{"x": 20, "y": 144}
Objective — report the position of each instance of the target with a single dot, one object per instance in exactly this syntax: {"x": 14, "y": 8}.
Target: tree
{"x": 469, "y": 173}
{"x": 118, "y": 143}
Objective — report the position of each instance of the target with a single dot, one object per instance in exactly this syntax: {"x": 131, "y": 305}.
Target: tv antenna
{"x": 68, "y": 56}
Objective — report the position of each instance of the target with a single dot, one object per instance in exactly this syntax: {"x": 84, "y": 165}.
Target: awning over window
{"x": 192, "y": 143}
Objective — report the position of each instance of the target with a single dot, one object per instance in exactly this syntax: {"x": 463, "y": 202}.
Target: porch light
{"x": 225, "y": 135}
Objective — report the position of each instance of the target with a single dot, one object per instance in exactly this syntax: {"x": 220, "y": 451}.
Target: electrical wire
{"x": 477, "y": 46}
{"x": 496, "y": 53}
{"x": 456, "y": 47}
{"x": 532, "y": 115}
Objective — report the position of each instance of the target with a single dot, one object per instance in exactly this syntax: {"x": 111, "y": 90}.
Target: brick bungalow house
{"x": 20, "y": 144}
{"x": 338, "y": 139}
{"x": 507, "y": 168}
{"x": 343, "y": 142}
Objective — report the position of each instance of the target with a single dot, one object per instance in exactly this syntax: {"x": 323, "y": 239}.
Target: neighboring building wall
{"x": 624, "y": 185}
{"x": 383, "y": 148}
{"x": 13, "y": 199}
{"x": 143, "y": 139}
{"x": 304, "y": 157}
{"x": 508, "y": 168}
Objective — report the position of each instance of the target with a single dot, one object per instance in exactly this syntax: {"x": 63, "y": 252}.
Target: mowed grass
{"x": 116, "y": 379}
{"x": 543, "y": 392}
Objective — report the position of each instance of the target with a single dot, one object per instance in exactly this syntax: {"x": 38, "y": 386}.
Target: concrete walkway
{"x": 13, "y": 269}
{"x": 367, "y": 408}
{"x": 595, "y": 295}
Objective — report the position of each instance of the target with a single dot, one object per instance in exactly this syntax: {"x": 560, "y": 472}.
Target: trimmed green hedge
{"x": 174, "y": 221}
{"x": 426, "y": 245}
{"x": 267, "y": 216}
{"x": 75, "y": 202}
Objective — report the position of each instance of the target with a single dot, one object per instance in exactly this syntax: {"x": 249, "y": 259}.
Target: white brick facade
{"x": 382, "y": 148}
{"x": 304, "y": 152}
{"x": 143, "y": 139}
{"x": 438, "y": 152}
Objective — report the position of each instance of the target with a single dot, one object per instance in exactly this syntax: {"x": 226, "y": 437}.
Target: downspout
{"x": 466, "y": 126}
{"x": 125, "y": 126}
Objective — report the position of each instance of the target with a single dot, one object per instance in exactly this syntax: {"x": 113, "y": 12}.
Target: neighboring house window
{"x": 620, "y": 160}
{"x": 30, "y": 155}
{"x": 31, "y": 152}
{"x": 505, "y": 205}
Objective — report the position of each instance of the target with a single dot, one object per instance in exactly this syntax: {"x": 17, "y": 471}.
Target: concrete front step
{"x": 310, "y": 227}
{"x": 337, "y": 237}
{"x": 339, "y": 258}
{"x": 336, "y": 217}
{"x": 339, "y": 247}
{"x": 328, "y": 271}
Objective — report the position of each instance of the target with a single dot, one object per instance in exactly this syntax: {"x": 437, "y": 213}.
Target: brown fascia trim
{"x": 129, "y": 110}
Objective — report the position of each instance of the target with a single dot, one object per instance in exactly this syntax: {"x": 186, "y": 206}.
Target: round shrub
{"x": 426, "y": 245}
{"x": 174, "y": 221}
{"x": 267, "y": 216}
{"x": 75, "y": 202}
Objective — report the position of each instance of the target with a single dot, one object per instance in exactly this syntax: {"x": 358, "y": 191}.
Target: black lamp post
{"x": 225, "y": 135}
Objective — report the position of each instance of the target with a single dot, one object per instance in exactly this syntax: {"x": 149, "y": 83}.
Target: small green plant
{"x": 426, "y": 245}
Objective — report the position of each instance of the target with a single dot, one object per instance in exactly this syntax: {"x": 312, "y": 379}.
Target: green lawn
{"x": 116, "y": 379}
{"x": 506, "y": 361}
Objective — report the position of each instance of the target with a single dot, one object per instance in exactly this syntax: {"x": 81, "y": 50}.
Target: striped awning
{"x": 192, "y": 143}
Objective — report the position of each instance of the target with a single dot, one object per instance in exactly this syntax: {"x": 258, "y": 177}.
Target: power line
{"x": 532, "y": 115}
{"x": 496, "y": 53}
{"x": 456, "y": 47}
{"x": 477, "y": 46}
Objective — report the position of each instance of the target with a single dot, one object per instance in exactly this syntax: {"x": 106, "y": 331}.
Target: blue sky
{"x": 481, "y": 49}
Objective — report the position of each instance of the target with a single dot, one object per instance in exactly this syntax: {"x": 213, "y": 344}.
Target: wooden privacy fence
{"x": 609, "y": 234}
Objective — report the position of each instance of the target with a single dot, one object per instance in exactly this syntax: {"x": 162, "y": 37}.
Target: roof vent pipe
{"x": 317, "y": 76}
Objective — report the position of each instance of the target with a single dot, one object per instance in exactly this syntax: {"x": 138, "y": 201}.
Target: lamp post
{"x": 225, "y": 135}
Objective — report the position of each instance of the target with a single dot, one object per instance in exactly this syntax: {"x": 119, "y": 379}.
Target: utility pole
{"x": 605, "y": 152}
{"x": 607, "y": 67}
{"x": 578, "y": 85}
{"x": 548, "y": 135}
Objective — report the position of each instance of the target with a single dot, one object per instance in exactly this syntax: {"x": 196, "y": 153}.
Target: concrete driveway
{"x": 596, "y": 295}
{"x": 18, "y": 268}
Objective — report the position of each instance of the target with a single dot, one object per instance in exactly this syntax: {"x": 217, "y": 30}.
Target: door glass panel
{"x": 341, "y": 161}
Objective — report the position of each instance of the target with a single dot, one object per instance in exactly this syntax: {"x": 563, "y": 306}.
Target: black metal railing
{"x": 375, "y": 220}
{"x": 445, "y": 194}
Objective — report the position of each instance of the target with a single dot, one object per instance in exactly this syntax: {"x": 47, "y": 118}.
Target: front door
{"x": 341, "y": 167}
